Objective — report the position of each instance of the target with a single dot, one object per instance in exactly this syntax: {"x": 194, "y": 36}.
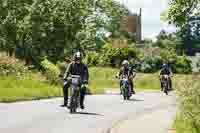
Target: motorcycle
{"x": 165, "y": 83}
{"x": 75, "y": 90}
{"x": 125, "y": 88}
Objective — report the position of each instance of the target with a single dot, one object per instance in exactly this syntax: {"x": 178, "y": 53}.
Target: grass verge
{"x": 183, "y": 126}
{"x": 104, "y": 78}
{"x": 12, "y": 89}
{"x": 188, "y": 92}
{"x": 35, "y": 87}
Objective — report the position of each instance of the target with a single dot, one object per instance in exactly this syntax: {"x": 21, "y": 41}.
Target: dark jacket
{"x": 165, "y": 71}
{"x": 77, "y": 69}
{"x": 125, "y": 71}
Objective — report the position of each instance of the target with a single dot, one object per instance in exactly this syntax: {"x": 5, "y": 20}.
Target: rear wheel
{"x": 126, "y": 93}
{"x": 166, "y": 88}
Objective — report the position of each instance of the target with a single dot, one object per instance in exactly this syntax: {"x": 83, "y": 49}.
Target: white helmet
{"x": 125, "y": 62}
{"x": 78, "y": 56}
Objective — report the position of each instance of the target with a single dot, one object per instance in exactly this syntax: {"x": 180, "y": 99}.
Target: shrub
{"x": 113, "y": 56}
{"x": 92, "y": 59}
{"x": 182, "y": 65}
{"x": 168, "y": 55}
{"x": 150, "y": 64}
{"x": 11, "y": 66}
{"x": 51, "y": 71}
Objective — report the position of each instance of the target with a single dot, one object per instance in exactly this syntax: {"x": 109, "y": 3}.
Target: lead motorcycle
{"x": 75, "y": 93}
{"x": 125, "y": 88}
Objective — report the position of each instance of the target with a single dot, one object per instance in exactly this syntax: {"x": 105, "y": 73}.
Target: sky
{"x": 151, "y": 10}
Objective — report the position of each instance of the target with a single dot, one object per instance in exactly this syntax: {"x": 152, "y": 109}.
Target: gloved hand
{"x": 65, "y": 82}
{"x": 60, "y": 76}
{"x": 85, "y": 84}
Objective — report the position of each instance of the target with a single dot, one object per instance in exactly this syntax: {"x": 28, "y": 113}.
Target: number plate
{"x": 125, "y": 79}
{"x": 75, "y": 81}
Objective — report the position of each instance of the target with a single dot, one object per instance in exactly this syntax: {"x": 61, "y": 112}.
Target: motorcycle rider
{"x": 76, "y": 67}
{"x": 125, "y": 70}
{"x": 166, "y": 71}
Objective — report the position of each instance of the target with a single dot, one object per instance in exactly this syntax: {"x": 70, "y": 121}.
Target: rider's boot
{"x": 65, "y": 94}
{"x": 161, "y": 86}
{"x": 132, "y": 90}
{"x": 170, "y": 84}
{"x": 65, "y": 103}
{"x": 82, "y": 98}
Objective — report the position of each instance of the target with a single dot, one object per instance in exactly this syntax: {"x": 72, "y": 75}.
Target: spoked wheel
{"x": 166, "y": 91}
{"x": 124, "y": 93}
{"x": 74, "y": 102}
{"x": 166, "y": 88}
{"x": 73, "y": 107}
{"x": 73, "y": 110}
{"x": 124, "y": 96}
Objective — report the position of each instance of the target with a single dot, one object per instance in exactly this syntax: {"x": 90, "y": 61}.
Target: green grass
{"x": 183, "y": 126}
{"x": 12, "y": 89}
{"x": 187, "y": 90}
{"x": 101, "y": 79}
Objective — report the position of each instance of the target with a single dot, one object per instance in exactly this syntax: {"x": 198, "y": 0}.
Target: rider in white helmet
{"x": 125, "y": 70}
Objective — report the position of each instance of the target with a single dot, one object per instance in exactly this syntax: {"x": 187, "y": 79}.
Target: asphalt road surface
{"x": 144, "y": 113}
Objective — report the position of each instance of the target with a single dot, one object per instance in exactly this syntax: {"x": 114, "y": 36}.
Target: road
{"x": 103, "y": 114}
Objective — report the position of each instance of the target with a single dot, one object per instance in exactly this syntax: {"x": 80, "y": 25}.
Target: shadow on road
{"x": 86, "y": 113}
{"x": 137, "y": 100}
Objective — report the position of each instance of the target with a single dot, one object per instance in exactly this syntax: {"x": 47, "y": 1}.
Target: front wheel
{"x": 166, "y": 86}
{"x": 166, "y": 91}
{"x": 74, "y": 101}
{"x": 73, "y": 110}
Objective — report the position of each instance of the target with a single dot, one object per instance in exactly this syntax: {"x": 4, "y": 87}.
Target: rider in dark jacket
{"x": 166, "y": 71}
{"x": 76, "y": 67}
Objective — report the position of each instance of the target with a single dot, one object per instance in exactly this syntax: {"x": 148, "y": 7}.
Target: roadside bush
{"x": 150, "y": 64}
{"x": 168, "y": 55}
{"x": 182, "y": 65}
{"x": 11, "y": 66}
{"x": 51, "y": 71}
{"x": 113, "y": 56}
{"x": 62, "y": 67}
{"x": 92, "y": 59}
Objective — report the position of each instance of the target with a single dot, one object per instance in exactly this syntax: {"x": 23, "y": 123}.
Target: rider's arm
{"x": 134, "y": 73}
{"x": 68, "y": 71}
{"x": 171, "y": 73}
{"x": 160, "y": 72}
{"x": 119, "y": 73}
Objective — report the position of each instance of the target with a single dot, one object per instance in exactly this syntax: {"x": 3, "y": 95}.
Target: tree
{"x": 185, "y": 14}
{"x": 54, "y": 28}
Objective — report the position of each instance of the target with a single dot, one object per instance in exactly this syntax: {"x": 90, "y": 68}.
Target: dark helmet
{"x": 78, "y": 56}
{"x": 164, "y": 66}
